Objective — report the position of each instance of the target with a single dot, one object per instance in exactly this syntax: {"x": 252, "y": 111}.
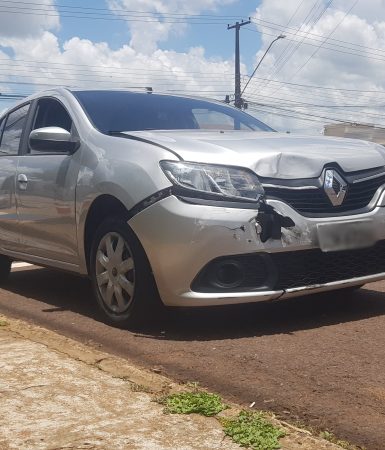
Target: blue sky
{"x": 216, "y": 39}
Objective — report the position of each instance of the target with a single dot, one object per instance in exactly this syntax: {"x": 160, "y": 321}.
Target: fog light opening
{"x": 227, "y": 274}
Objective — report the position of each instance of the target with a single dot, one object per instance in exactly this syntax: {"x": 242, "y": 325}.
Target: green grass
{"x": 193, "y": 402}
{"x": 248, "y": 429}
{"x": 3, "y": 323}
{"x": 252, "y": 430}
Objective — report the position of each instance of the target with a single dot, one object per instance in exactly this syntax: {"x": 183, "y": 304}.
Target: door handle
{"x": 23, "y": 181}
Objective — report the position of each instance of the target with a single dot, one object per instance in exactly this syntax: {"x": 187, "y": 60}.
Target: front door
{"x": 45, "y": 192}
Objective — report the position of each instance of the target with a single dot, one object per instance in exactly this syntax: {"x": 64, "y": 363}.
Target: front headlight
{"x": 213, "y": 182}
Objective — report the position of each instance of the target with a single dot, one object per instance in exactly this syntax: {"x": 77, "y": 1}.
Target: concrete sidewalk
{"x": 58, "y": 394}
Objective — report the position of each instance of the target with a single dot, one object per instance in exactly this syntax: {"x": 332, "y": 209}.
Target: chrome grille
{"x": 315, "y": 201}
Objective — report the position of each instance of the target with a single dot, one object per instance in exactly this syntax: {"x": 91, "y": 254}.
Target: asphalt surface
{"x": 318, "y": 359}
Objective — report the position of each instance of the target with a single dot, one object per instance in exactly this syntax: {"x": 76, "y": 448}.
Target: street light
{"x": 281, "y": 36}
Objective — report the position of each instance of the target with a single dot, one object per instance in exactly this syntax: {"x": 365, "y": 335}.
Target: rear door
{"x": 45, "y": 191}
{"x": 12, "y": 128}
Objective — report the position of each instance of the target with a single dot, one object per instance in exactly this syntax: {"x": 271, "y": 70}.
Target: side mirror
{"x": 52, "y": 139}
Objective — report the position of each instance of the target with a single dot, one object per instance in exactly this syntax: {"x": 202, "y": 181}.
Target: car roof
{"x": 66, "y": 91}
{"x": 133, "y": 91}
{"x": 143, "y": 92}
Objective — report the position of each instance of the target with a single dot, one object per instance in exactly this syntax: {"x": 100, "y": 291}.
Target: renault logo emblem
{"x": 335, "y": 187}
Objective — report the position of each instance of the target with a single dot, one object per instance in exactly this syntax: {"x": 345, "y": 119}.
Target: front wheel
{"x": 121, "y": 276}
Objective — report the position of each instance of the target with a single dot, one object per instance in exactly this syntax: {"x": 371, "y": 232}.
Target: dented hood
{"x": 269, "y": 154}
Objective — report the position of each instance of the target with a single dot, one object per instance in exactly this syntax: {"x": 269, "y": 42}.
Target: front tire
{"x": 121, "y": 276}
{"x": 5, "y": 268}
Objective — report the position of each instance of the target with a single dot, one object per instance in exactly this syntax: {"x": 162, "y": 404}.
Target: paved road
{"x": 319, "y": 359}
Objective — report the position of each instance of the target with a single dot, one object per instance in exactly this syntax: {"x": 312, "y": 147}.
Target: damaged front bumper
{"x": 205, "y": 255}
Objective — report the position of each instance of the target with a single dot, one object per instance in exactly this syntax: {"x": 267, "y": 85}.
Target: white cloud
{"x": 17, "y": 20}
{"x": 81, "y": 62}
{"x": 41, "y": 48}
{"x": 370, "y": 10}
{"x": 363, "y": 26}
{"x": 146, "y": 35}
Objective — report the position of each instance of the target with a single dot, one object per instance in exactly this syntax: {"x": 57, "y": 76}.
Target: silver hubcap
{"x": 115, "y": 272}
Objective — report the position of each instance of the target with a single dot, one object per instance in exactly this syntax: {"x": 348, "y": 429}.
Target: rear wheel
{"x": 5, "y": 268}
{"x": 122, "y": 280}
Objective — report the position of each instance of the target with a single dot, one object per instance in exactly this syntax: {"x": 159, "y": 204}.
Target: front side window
{"x": 51, "y": 113}
{"x": 13, "y": 129}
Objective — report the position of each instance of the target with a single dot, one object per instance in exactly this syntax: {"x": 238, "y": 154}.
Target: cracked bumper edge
{"x": 180, "y": 239}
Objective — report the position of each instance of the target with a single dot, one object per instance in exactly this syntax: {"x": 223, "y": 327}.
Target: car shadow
{"x": 58, "y": 291}
{"x": 65, "y": 292}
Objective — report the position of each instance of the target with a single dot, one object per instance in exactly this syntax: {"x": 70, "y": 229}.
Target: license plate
{"x": 346, "y": 235}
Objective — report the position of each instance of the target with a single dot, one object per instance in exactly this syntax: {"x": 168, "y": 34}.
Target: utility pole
{"x": 237, "y": 92}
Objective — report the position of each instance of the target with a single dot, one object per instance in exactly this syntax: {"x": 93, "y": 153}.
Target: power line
{"x": 329, "y": 47}
{"x": 135, "y": 71}
{"x": 309, "y": 18}
{"x": 304, "y": 89}
{"x": 312, "y": 86}
{"x": 288, "y": 23}
{"x": 100, "y": 76}
{"x": 316, "y": 111}
{"x": 323, "y": 42}
{"x": 335, "y": 119}
{"x": 282, "y": 28}
{"x": 124, "y": 17}
{"x": 108, "y": 10}
{"x": 163, "y": 70}
{"x": 327, "y": 92}
{"x": 301, "y": 104}
{"x": 222, "y": 18}
{"x": 107, "y": 75}
{"x": 290, "y": 116}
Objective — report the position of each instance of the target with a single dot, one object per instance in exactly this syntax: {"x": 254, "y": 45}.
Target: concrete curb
{"x": 142, "y": 379}
{"x": 115, "y": 366}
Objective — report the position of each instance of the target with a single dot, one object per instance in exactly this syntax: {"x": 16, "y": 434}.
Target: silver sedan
{"x": 179, "y": 201}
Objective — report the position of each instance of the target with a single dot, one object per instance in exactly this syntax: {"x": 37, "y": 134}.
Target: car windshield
{"x": 117, "y": 111}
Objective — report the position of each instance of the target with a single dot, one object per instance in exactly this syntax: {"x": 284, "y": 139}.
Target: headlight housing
{"x": 213, "y": 183}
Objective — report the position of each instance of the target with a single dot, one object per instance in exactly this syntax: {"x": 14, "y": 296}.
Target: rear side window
{"x": 12, "y": 131}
